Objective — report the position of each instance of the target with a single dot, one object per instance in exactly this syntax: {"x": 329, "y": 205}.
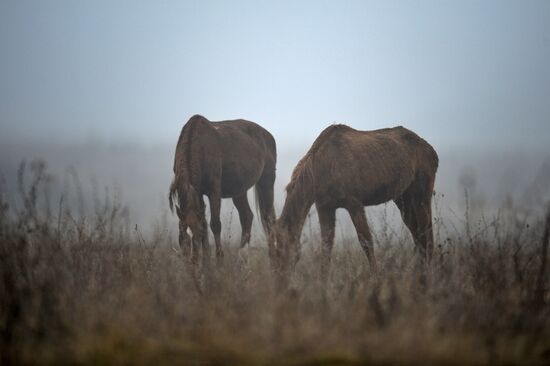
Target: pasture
{"x": 95, "y": 290}
{"x": 246, "y": 240}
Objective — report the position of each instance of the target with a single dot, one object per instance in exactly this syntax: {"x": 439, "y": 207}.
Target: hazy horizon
{"x": 139, "y": 175}
{"x": 106, "y": 87}
{"x": 459, "y": 74}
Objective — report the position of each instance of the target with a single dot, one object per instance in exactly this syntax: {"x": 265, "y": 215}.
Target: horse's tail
{"x": 258, "y": 201}
{"x": 263, "y": 190}
{"x": 172, "y": 194}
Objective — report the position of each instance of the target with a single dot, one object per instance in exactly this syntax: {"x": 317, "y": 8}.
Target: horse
{"x": 350, "y": 169}
{"x": 221, "y": 160}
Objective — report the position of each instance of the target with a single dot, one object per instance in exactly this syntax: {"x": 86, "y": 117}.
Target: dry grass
{"x": 92, "y": 291}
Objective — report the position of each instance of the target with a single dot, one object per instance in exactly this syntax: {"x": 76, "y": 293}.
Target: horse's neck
{"x": 295, "y": 211}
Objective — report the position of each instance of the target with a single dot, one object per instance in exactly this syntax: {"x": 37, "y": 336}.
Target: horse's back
{"x": 246, "y": 149}
{"x": 377, "y": 165}
{"x": 246, "y": 132}
{"x": 386, "y": 148}
{"x": 228, "y": 135}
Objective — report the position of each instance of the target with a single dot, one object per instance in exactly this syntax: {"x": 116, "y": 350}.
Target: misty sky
{"x": 460, "y": 73}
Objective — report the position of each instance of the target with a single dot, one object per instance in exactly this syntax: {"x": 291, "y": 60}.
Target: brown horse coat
{"x": 220, "y": 160}
{"x": 347, "y": 168}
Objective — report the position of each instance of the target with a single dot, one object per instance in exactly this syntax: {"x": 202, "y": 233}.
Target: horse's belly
{"x": 384, "y": 192}
{"x": 239, "y": 179}
{"x": 380, "y": 195}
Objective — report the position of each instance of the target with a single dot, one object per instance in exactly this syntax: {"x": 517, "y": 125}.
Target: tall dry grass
{"x": 78, "y": 289}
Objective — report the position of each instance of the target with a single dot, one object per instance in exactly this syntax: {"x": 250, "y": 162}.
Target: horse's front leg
{"x": 327, "y": 221}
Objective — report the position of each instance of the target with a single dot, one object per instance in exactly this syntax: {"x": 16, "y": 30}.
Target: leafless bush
{"x": 89, "y": 289}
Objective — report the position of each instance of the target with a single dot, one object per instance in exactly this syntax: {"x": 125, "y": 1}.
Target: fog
{"x": 102, "y": 90}
{"x": 138, "y": 176}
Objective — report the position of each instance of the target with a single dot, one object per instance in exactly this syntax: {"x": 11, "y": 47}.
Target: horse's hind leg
{"x": 205, "y": 245}
{"x": 264, "y": 197}
{"x": 245, "y": 216}
{"x": 415, "y": 205}
{"x": 424, "y": 221}
{"x": 215, "y": 200}
{"x": 359, "y": 219}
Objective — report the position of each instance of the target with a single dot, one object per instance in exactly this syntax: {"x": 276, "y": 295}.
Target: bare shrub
{"x": 89, "y": 289}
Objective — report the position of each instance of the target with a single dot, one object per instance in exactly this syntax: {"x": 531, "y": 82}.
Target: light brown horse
{"x": 220, "y": 160}
{"x": 351, "y": 169}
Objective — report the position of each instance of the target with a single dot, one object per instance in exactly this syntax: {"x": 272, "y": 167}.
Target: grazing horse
{"x": 351, "y": 169}
{"x": 220, "y": 160}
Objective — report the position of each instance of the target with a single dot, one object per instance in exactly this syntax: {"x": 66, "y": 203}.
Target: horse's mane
{"x": 304, "y": 169}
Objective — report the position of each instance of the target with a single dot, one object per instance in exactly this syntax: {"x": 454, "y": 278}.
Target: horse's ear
{"x": 178, "y": 211}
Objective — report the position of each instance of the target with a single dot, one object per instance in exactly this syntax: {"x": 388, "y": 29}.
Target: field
{"x": 94, "y": 290}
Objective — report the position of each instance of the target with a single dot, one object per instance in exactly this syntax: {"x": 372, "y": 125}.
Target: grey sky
{"x": 460, "y": 73}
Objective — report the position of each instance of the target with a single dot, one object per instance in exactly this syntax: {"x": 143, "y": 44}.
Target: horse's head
{"x": 284, "y": 248}
{"x": 190, "y": 211}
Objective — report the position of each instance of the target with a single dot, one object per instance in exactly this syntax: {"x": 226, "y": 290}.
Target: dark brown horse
{"x": 220, "y": 160}
{"x": 352, "y": 169}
